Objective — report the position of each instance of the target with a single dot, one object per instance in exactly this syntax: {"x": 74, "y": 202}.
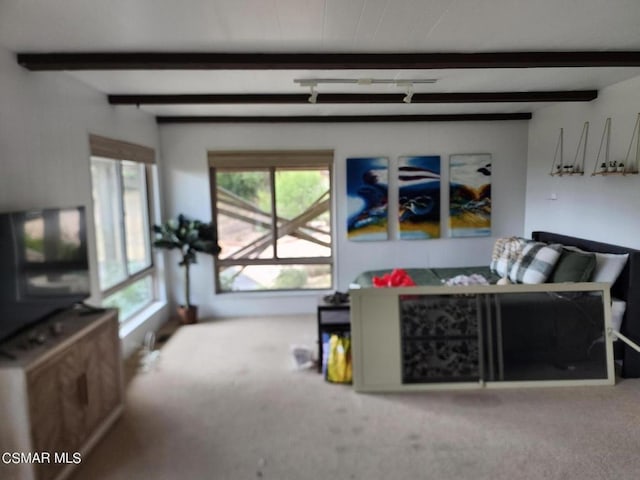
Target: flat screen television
{"x": 44, "y": 265}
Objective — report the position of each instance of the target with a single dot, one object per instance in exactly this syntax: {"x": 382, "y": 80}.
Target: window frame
{"x": 131, "y": 277}
{"x": 119, "y": 152}
{"x": 271, "y": 161}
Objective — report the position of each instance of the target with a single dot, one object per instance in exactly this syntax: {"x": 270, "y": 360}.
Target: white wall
{"x": 186, "y": 189}
{"x": 595, "y": 207}
{"x": 45, "y": 121}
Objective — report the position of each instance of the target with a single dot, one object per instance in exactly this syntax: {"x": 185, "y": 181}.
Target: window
{"x": 273, "y": 214}
{"x": 120, "y": 174}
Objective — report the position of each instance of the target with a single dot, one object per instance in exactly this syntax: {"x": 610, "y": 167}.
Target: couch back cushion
{"x": 573, "y": 266}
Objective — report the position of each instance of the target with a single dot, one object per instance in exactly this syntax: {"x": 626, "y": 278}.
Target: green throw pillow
{"x": 573, "y": 267}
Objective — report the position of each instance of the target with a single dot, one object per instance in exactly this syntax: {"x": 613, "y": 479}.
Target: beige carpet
{"x": 224, "y": 403}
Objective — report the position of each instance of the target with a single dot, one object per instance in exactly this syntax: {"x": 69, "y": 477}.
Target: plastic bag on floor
{"x": 302, "y": 357}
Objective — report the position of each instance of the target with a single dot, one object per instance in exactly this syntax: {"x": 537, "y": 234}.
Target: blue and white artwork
{"x": 470, "y": 195}
{"x": 419, "y": 197}
{"x": 367, "y": 198}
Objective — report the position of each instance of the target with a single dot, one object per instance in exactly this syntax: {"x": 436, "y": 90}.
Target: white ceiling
{"x": 327, "y": 26}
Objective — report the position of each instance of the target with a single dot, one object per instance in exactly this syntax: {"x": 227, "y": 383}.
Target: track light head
{"x": 407, "y": 98}
{"x": 313, "y": 97}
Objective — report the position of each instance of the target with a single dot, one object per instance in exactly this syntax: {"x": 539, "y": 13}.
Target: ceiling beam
{"x": 322, "y": 61}
{"x": 345, "y": 98}
{"x": 464, "y": 117}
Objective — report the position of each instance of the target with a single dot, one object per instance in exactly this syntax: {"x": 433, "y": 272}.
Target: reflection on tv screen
{"x": 52, "y": 237}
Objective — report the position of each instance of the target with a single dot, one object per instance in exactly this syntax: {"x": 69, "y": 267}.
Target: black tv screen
{"x": 44, "y": 265}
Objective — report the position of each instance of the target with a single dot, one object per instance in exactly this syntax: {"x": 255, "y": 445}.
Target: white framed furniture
{"x": 423, "y": 338}
{"x": 61, "y": 388}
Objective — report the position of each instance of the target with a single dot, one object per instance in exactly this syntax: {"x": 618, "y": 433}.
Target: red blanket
{"x": 397, "y": 278}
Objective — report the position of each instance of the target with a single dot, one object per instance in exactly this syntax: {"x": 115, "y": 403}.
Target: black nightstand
{"x": 331, "y": 318}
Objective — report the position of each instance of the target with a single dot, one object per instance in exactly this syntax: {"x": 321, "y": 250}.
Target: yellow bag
{"x": 339, "y": 359}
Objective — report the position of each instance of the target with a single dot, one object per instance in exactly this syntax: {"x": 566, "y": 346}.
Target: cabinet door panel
{"x": 100, "y": 363}
{"x": 53, "y": 419}
{"x": 440, "y": 338}
{"x": 91, "y": 399}
{"x": 108, "y": 348}
{"x": 425, "y": 361}
{"x": 99, "y": 360}
{"x": 69, "y": 372}
{"x": 552, "y": 337}
{"x": 45, "y": 414}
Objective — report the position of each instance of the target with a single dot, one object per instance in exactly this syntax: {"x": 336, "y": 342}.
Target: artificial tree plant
{"x": 188, "y": 236}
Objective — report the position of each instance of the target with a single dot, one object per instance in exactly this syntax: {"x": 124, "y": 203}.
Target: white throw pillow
{"x": 608, "y": 267}
{"x": 617, "y": 312}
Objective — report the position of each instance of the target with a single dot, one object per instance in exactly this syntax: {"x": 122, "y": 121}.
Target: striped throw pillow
{"x": 506, "y": 251}
{"x": 535, "y": 263}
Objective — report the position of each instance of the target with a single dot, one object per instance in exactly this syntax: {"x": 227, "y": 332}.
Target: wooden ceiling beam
{"x": 347, "y": 98}
{"x": 322, "y": 61}
{"x": 464, "y": 117}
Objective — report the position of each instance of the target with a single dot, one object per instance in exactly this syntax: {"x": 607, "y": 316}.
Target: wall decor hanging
{"x": 419, "y": 197}
{"x": 601, "y": 167}
{"x": 367, "y": 198}
{"x": 470, "y": 195}
{"x": 558, "y": 167}
{"x": 629, "y": 166}
{"x": 633, "y": 158}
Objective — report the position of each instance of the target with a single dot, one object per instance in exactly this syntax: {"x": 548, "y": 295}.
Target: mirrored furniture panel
{"x": 422, "y": 338}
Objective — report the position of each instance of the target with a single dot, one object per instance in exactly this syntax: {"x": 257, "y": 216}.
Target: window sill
{"x": 274, "y": 293}
{"x": 130, "y": 325}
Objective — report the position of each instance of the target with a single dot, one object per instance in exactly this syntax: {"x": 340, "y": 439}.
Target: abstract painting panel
{"x": 419, "y": 197}
{"x": 367, "y": 198}
{"x": 470, "y": 195}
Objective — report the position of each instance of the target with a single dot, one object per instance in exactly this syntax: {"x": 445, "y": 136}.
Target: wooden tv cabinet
{"x": 61, "y": 388}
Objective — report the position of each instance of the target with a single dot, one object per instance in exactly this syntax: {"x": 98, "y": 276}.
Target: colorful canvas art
{"x": 419, "y": 197}
{"x": 470, "y": 195}
{"x": 367, "y": 197}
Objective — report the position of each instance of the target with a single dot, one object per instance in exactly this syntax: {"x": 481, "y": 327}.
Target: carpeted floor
{"x": 223, "y": 402}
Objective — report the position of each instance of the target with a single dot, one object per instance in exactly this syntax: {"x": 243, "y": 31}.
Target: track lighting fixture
{"x": 408, "y": 84}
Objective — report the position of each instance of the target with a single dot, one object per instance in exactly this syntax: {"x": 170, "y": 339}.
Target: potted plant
{"x": 188, "y": 236}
